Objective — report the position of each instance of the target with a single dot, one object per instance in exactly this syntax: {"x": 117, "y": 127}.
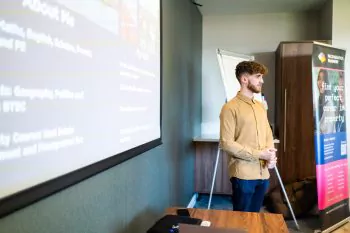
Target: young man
{"x": 246, "y": 136}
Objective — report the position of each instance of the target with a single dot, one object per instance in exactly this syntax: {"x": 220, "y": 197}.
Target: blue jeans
{"x": 248, "y": 195}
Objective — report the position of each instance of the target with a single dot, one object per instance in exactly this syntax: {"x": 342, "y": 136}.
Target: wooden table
{"x": 343, "y": 229}
{"x": 253, "y": 222}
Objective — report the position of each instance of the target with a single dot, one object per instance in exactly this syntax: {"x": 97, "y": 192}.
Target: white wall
{"x": 257, "y": 35}
{"x": 341, "y": 39}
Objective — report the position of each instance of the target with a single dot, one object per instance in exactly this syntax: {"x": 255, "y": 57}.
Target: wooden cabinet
{"x": 204, "y": 169}
{"x": 294, "y": 124}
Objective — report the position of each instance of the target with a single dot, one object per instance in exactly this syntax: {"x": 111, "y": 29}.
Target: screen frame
{"x": 38, "y": 192}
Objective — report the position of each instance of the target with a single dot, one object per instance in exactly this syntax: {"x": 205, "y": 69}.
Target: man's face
{"x": 255, "y": 82}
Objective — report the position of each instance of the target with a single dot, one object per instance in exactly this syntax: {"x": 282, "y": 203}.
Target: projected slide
{"x": 79, "y": 82}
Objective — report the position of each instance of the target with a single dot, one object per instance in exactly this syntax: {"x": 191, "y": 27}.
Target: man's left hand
{"x": 272, "y": 162}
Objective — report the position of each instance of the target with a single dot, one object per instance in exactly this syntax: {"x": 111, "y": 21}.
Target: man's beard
{"x": 254, "y": 89}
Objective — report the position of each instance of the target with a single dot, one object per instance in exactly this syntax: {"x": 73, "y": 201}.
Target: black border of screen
{"x": 38, "y": 192}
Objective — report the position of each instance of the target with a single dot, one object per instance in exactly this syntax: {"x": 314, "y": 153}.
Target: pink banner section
{"x": 332, "y": 183}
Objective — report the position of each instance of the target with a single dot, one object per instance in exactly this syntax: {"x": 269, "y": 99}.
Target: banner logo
{"x": 322, "y": 57}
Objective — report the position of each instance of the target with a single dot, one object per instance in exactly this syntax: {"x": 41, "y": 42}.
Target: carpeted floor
{"x": 222, "y": 202}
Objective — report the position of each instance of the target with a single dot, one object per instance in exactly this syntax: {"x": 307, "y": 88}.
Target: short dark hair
{"x": 250, "y": 67}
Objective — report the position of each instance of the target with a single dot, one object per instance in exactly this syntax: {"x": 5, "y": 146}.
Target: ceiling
{"x": 231, "y": 7}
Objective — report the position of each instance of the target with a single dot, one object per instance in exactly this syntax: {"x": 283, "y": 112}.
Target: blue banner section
{"x": 331, "y": 147}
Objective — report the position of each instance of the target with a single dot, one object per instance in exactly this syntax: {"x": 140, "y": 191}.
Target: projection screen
{"x": 80, "y": 91}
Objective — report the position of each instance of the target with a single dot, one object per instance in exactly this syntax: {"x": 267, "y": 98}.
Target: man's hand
{"x": 268, "y": 154}
{"x": 272, "y": 162}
